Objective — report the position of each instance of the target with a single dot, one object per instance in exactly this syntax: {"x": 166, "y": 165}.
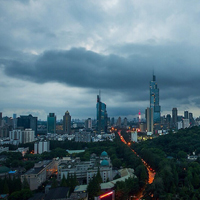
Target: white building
{"x": 22, "y": 136}
{"x": 180, "y": 125}
{"x": 42, "y": 146}
{"x": 186, "y": 123}
{"x": 134, "y": 136}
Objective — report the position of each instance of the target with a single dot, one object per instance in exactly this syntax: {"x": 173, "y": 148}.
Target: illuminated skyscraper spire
{"x": 139, "y": 114}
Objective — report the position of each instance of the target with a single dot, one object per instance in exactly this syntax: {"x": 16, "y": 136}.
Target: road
{"x": 151, "y": 172}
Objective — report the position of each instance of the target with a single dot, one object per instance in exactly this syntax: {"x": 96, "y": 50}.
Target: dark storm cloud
{"x": 176, "y": 68}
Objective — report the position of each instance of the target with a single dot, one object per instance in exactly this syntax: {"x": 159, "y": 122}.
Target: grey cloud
{"x": 176, "y": 70}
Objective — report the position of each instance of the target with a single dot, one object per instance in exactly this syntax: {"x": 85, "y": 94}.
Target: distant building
{"x": 149, "y": 118}
{"x": 88, "y": 123}
{"x": 14, "y": 121}
{"x": 174, "y": 118}
{"x": 186, "y": 115}
{"x": 192, "y": 122}
{"x": 41, "y": 146}
{"x": 82, "y": 136}
{"x": 154, "y": 100}
{"x": 179, "y": 125}
{"x": 134, "y": 136}
{"x": 168, "y": 121}
{"x": 186, "y": 123}
{"x": 101, "y": 116}
{"x": 27, "y": 122}
{"x": 125, "y": 123}
{"x": 119, "y": 122}
{"x": 22, "y": 136}
{"x": 67, "y": 123}
{"x": 51, "y": 123}
{"x": 0, "y": 119}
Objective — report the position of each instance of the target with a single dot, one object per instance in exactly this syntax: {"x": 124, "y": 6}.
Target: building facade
{"x": 41, "y": 146}
{"x": 51, "y": 123}
{"x": 27, "y": 122}
{"x": 101, "y": 116}
{"x": 154, "y": 100}
{"x": 67, "y": 123}
{"x": 174, "y": 118}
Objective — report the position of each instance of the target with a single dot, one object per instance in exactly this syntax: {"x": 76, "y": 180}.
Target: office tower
{"x": 125, "y": 122}
{"x": 174, "y": 118}
{"x": 119, "y": 122}
{"x": 112, "y": 121}
{"x": 51, "y": 123}
{"x": 149, "y": 118}
{"x": 14, "y": 121}
{"x": 186, "y": 115}
{"x": 168, "y": 121}
{"x": 27, "y": 122}
{"x": 67, "y": 123}
{"x": 101, "y": 116}
{"x": 0, "y": 118}
{"x": 88, "y": 123}
{"x": 154, "y": 100}
{"x": 192, "y": 122}
{"x": 186, "y": 123}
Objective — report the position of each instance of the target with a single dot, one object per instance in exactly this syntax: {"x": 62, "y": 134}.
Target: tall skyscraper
{"x": 14, "y": 121}
{"x": 0, "y": 118}
{"x": 101, "y": 116}
{"x": 51, "y": 123}
{"x": 174, "y": 118}
{"x": 186, "y": 115}
{"x": 149, "y": 118}
{"x": 67, "y": 123}
{"x": 154, "y": 100}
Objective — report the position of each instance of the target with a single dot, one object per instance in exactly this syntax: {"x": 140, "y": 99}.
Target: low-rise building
{"x": 39, "y": 174}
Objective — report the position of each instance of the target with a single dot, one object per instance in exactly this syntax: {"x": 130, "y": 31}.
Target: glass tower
{"x": 154, "y": 100}
{"x": 51, "y": 123}
{"x": 101, "y": 116}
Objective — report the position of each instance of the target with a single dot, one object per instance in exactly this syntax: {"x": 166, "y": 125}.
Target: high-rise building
{"x": 186, "y": 115}
{"x": 192, "y": 122}
{"x": 149, "y": 118}
{"x": 174, "y": 118}
{"x": 0, "y": 118}
{"x": 186, "y": 123}
{"x": 51, "y": 123}
{"x": 67, "y": 123}
{"x": 119, "y": 122}
{"x": 168, "y": 121}
{"x": 125, "y": 123}
{"x": 27, "y": 122}
{"x": 88, "y": 123}
{"x": 14, "y": 121}
{"x": 101, "y": 116}
{"x": 154, "y": 100}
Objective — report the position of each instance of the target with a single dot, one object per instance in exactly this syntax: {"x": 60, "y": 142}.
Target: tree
{"x": 54, "y": 183}
{"x": 63, "y": 182}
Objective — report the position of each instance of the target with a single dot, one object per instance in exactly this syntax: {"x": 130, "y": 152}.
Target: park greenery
{"x": 176, "y": 176}
{"x": 15, "y": 189}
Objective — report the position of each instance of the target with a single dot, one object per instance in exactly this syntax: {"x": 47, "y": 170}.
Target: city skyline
{"x": 55, "y": 58}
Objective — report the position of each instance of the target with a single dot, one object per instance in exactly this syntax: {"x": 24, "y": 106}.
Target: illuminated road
{"x": 151, "y": 172}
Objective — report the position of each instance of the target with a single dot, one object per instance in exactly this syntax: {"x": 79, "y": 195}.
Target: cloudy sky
{"x": 56, "y": 56}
